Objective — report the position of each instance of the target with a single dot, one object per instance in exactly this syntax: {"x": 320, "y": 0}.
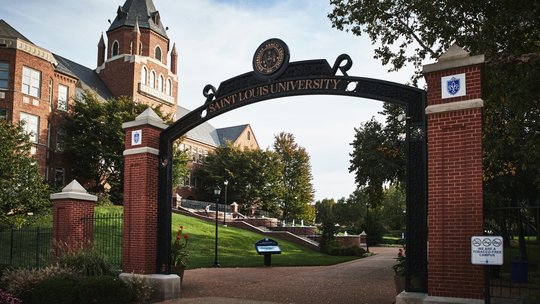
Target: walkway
{"x": 368, "y": 280}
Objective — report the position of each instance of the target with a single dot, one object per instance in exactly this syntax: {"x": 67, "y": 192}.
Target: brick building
{"x": 135, "y": 59}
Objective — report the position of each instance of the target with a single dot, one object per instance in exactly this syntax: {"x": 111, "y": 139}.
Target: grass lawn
{"x": 236, "y": 247}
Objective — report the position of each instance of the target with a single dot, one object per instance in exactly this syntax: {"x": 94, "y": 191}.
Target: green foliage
{"x": 61, "y": 289}
{"x": 413, "y": 31}
{"x": 378, "y": 155}
{"x": 327, "y": 219}
{"x": 98, "y": 124}
{"x": 180, "y": 164}
{"x": 352, "y": 250}
{"x": 22, "y": 189}
{"x": 21, "y": 282}
{"x": 254, "y": 176}
{"x": 104, "y": 289}
{"x": 140, "y": 287}
{"x": 86, "y": 263}
{"x": 296, "y": 177}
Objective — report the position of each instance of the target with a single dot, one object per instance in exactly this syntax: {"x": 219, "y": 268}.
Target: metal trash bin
{"x": 519, "y": 271}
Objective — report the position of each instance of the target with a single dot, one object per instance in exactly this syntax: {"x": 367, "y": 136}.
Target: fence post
{"x": 69, "y": 207}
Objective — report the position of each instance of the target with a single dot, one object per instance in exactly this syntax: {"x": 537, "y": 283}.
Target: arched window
{"x": 157, "y": 53}
{"x": 160, "y": 83}
{"x": 144, "y": 76}
{"x": 153, "y": 80}
{"x": 168, "y": 87}
{"x": 115, "y": 48}
{"x": 140, "y": 48}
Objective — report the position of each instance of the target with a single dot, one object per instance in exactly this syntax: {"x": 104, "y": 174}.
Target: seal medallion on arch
{"x": 271, "y": 59}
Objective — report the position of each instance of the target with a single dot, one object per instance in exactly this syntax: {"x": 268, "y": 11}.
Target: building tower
{"x": 135, "y": 62}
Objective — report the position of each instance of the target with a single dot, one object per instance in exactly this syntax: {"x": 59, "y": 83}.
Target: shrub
{"x": 61, "y": 289}
{"x": 86, "y": 263}
{"x": 352, "y": 250}
{"x": 141, "y": 288}
{"x": 7, "y": 298}
{"x": 103, "y": 289}
{"x": 21, "y": 282}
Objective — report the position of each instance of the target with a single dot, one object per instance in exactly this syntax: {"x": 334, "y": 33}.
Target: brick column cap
{"x": 74, "y": 190}
{"x": 454, "y": 57}
{"x": 148, "y": 117}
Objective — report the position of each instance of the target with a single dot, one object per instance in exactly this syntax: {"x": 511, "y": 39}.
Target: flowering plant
{"x": 179, "y": 250}
{"x": 401, "y": 264}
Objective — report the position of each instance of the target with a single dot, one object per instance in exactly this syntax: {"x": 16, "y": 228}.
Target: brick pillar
{"x": 140, "y": 193}
{"x": 455, "y": 211}
{"x": 73, "y": 218}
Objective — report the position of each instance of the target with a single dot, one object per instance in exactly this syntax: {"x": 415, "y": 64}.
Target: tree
{"x": 22, "y": 189}
{"x": 95, "y": 141}
{"x": 508, "y": 33}
{"x": 296, "y": 177}
{"x": 378, "y": 155}
{"x": 413, "y": 31}
{"x": 254, "y": 176}
{"x": 327, "y": 219}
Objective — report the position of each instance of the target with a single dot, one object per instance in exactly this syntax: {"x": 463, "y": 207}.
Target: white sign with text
{"x": 487, "y": 250}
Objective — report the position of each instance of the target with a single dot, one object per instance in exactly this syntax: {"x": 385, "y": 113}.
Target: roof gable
{"x": 7, "y": 31}
{"x": 231, "y": 133}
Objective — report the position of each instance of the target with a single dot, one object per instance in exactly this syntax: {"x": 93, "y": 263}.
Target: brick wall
{"x": 140, "y": 201}
{"x": 455, "y": 211}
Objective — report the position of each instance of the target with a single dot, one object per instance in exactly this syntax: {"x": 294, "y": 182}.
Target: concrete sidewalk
{"x": 368, "y": 280}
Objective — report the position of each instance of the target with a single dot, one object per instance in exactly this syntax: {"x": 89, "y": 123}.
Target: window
{"x": 50, "y": 93}
{"x": 140, "y": 48}
{"x": 194, "y": 153}
{"x": 249, "y": 135}
{"x": 115, "y": 48}
{"x": 31, "y": 82}
{"x": 60, "y": 139}
{"x": 157, "y": 53}
{"x": 59, "y": 177}
{"x": 200, "y": 159}
{"x": 62, "y": 98}
{"x": 3, "y": 114}
{"x": 144, "y": 76}
{"x": 160, "y": 83}
{"x": 30, "y": 125}
{"x": 153, "y": 80}
{"x": 168, "y": 87}
{"x": 4, "y": 75}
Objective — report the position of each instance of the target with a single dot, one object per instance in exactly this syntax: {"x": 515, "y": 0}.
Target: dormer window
{"x": 115, "y": 48}
{"x": 155, "y": 17}
{"x": 157, "y": 53}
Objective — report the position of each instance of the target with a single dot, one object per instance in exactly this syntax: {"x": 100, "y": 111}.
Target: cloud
{"x": 216, "y": 40}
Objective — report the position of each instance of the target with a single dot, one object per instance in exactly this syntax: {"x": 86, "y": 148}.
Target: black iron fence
{"x": 26, "y": 247}
{"x": 107, "y": 236}
{"x": 518, "y": 279}
{"x": 30, "y": 247}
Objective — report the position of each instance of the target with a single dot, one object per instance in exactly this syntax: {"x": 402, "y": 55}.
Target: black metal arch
{"x": 313, "y": 77}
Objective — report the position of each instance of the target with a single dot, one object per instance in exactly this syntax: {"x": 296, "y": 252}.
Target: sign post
{"x": 487, "y": 250}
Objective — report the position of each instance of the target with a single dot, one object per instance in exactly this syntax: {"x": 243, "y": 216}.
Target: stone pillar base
{"x": 423, "y": 298}
{"x": 166, "y": 286}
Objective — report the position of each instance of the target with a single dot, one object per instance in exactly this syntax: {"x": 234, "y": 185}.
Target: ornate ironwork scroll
{"x": 274, "y": 77}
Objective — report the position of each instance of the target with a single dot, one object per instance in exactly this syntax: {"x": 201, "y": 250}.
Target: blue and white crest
{"x": 136, "y": 138}
{"x": 453, "y": 85}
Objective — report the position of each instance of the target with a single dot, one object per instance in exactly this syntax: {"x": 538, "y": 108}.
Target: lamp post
{"x": 217, "y": 191}
{"x": 226, "y": 182}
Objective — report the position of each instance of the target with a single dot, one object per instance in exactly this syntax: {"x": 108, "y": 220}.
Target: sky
{"x": 216, "y": 40}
